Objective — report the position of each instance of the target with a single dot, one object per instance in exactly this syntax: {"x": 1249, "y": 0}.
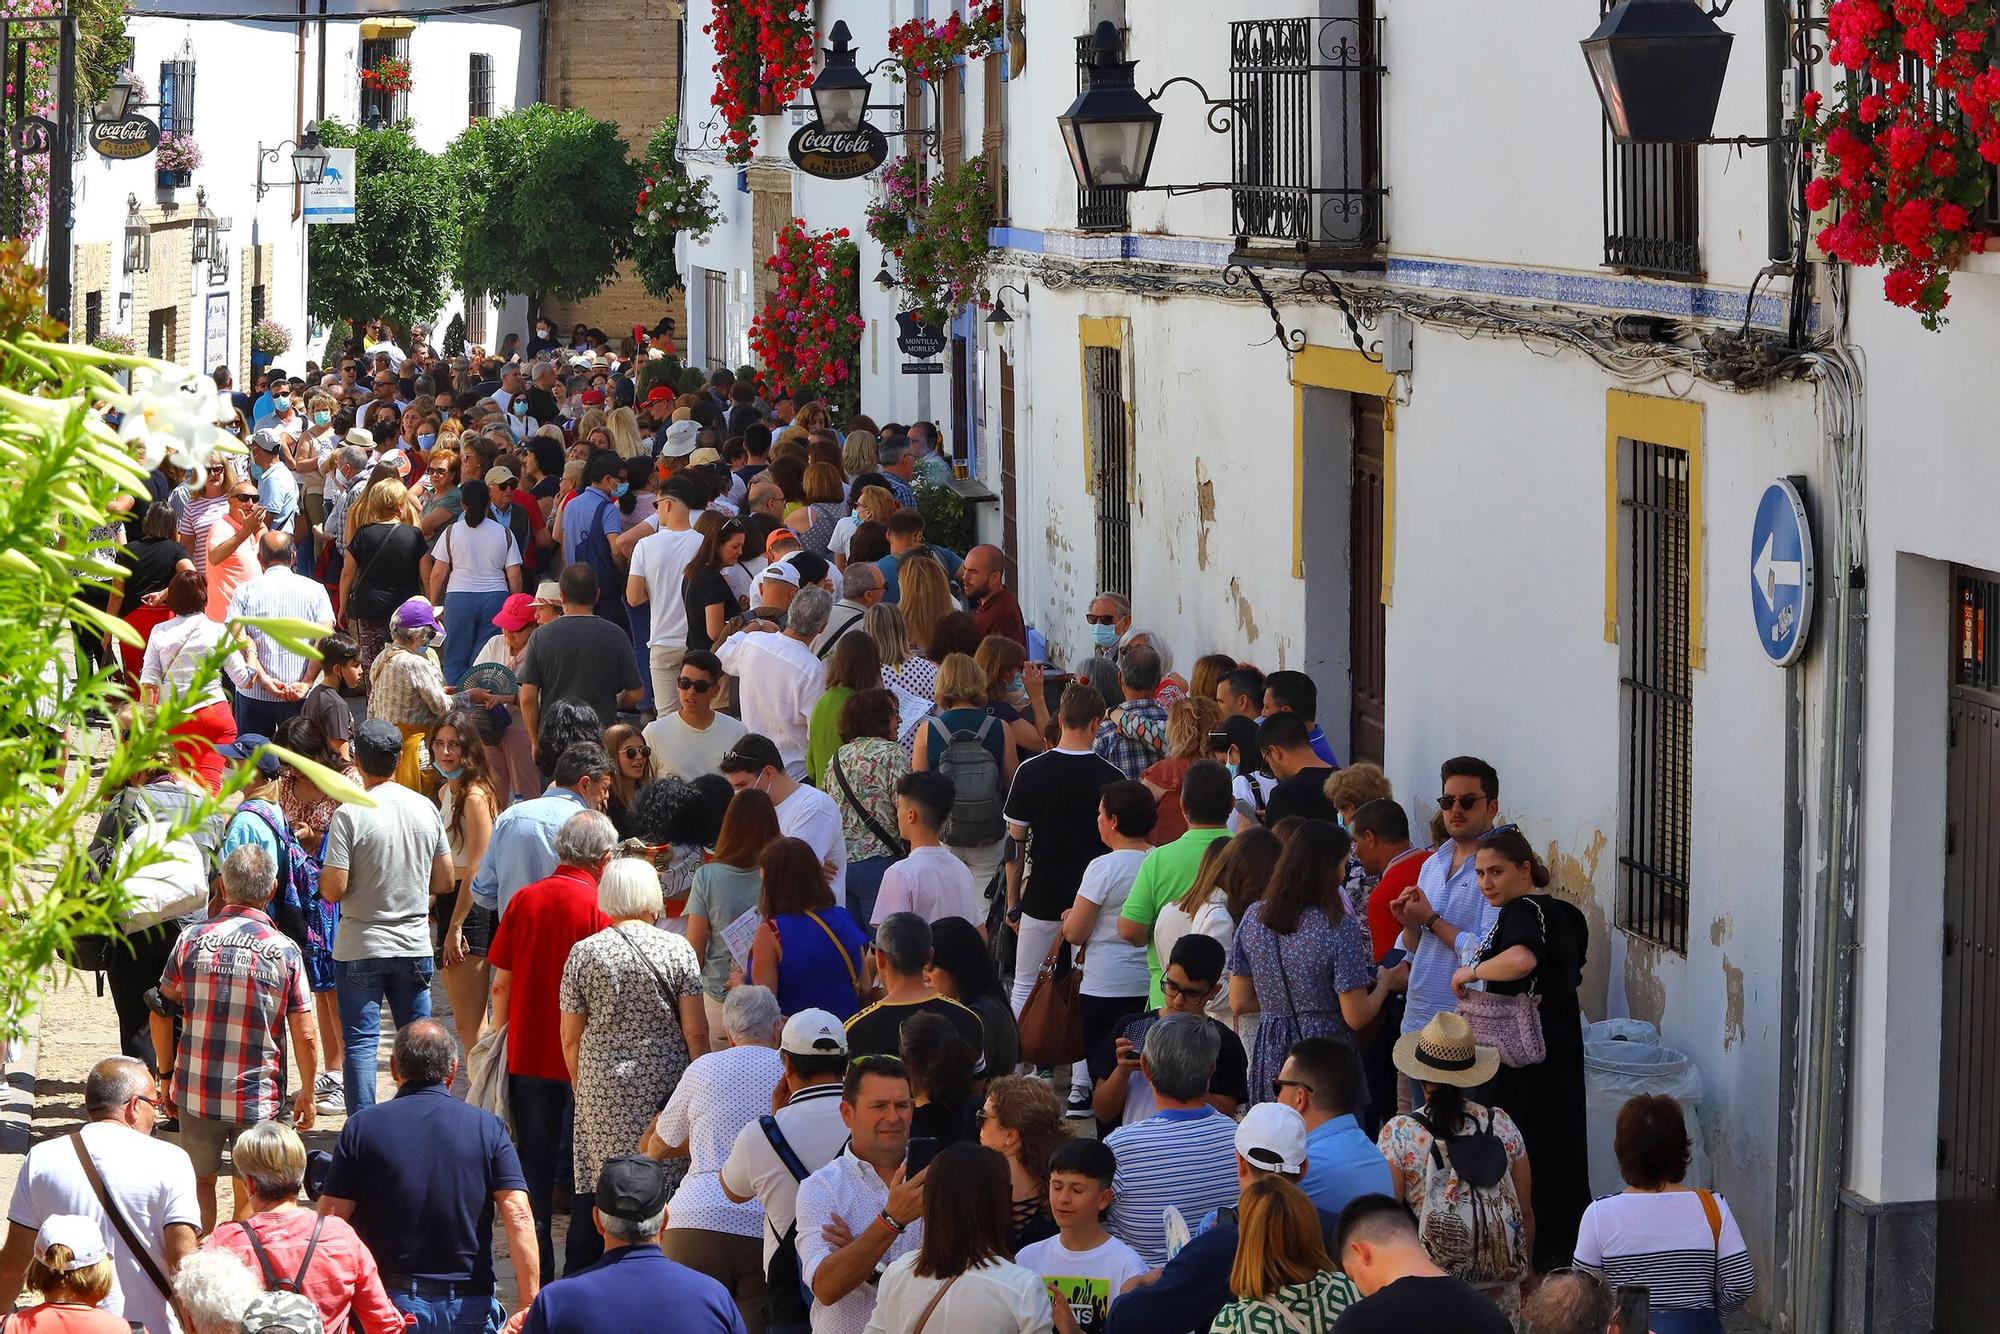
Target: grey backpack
{"x": 974, "y": 772}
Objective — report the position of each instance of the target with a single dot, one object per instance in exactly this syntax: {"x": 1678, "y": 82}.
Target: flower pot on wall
{"x": 170, "y": 181}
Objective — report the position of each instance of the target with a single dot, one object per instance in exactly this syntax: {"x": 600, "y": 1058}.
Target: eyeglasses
{"x": 1278, "y": 1086}
{"x": 699, "y": 687}
{"x": 447, "y": 743}
{"x": 1498, "y": 830}
{"x": 637, "y": 752}
{"x": 438, "y": 472}
{"x": 1465, "y": 801}
{"x": 1173, "y": 988}
{"x": 1101, "y": 620}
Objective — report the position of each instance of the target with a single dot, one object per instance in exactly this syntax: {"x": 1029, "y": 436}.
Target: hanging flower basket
{"x": 808, "y": 335}
{"x": 270, "y": 338}
{"x": 927, "y": 48}
{"x": 939, "y": 233}
{"x": 763, "y": 57}
{"x": 1908, "y": 143}
{"x": 388, "y": 75}
{"x": 175, "y": 160}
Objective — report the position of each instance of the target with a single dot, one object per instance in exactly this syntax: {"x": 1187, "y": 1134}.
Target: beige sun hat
{"x": 1444, "y": 1053}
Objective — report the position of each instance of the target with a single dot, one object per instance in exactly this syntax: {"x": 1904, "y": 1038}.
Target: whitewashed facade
{"x": 260, "y": 84}
{"x": 1511, "y": 411}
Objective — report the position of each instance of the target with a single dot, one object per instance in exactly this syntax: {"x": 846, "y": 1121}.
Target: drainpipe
{"x": 1777, "y": 65}
{"x": 319, "y": 103}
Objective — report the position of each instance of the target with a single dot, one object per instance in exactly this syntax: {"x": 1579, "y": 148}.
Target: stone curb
{"x": 17, "y": 1094}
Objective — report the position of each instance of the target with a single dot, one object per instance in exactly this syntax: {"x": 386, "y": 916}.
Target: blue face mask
{"x": 322, "y": 419}
{"x": 424, "y": 442}
{"x": 448, "y": 774}
{"x": 1231, "y": 766}
{"x": 623, "y": 487}
{"x": 256, "y": 473}
{"x": 1104, "y": 636}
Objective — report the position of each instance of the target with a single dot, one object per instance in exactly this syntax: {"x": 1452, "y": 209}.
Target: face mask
{"x": 1104, "y": 636}
{"x": 1231, "y": 766}
{"x": 623, "y": 487}
{"x": 281, "y": 406}
{"x": 520, "y": 406}
{"x": 448, "y": 774}
{"x": 256, "y": 473}
{"x": 424, "y": 442}
{"x": 322, "y": 419}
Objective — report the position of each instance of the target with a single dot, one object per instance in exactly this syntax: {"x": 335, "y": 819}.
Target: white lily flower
{"x": 171, "y": 423}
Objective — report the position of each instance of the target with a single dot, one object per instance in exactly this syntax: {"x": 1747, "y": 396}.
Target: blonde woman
{"x": 593, "y": 420}
{"x": 874, "y": 505}
{"x": 904, "y": 669}
{"x": 624, "y": 426}
{"x": 382, "y": 567}
{"x": 857, "y": 453}
{"x": 961, "y": 702}
{"x": 70, "y": 1269}
{"x": 926, "y": 599}
{"x": 1189, "y": 721}
{"x": 1282, "y": 1269}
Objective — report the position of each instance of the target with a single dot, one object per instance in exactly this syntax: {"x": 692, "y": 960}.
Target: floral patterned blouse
{"x": 307, "y": 806}
{"x": 871, "y": 767}
{"x": 1407, "y": 1146}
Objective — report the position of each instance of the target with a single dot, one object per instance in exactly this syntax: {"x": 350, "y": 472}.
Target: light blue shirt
{"x": 1343, "y": 1164}
{"x": 1457, "y": 898}
{"x": 280, "y": 591}
{"x": 577, "y": 526}
{"x": 522, "y": 849}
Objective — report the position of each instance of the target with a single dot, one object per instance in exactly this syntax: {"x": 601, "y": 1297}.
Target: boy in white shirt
{"x": 1086, "y": 1267}
{"x": 930, "y": 882}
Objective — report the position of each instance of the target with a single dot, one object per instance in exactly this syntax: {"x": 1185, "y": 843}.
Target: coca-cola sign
{"x": 127, "y": 137}
{"x": 821, "y": 152}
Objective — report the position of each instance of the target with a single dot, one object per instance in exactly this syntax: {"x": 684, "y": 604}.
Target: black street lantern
{"x": 1659, "y": 66}
{"x": 138, "y": 238}
{"x": 883, "y": 278}
{"x": 309, "y": 158}
{"x": 201, "y": 234}
{"x": 1110, "y": 129}
{"x": 840, "y": 90}
{"x": 117, "y": 99}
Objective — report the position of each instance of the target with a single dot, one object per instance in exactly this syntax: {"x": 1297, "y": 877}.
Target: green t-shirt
{"x": 823, "y": 731}
{"x": 1163, "y": 877}
{"x": 721, "y": 893}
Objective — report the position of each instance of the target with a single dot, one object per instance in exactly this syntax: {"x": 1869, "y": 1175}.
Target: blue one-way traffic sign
{"x": 1781, "y": 574}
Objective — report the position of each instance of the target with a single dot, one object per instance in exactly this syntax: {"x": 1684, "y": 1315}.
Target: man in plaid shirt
{"x": 240, "y": 983}
{"x": 1139, "y": 675}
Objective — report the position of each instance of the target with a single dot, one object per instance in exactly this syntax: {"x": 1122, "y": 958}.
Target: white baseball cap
{"x": 1271, "y": 1137}
{"x": 813, "y": 1033}
{"x": 779, "y": 573}
{"x": 75, "y": 1231}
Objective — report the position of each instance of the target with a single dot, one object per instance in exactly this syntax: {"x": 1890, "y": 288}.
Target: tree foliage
{"x": 394, "y": 261}
{"x": 548, "y": 198}
{"x": 102, "y": 48}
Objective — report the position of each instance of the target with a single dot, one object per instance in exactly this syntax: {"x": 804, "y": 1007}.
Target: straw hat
{"x": 1444, "y": 1053}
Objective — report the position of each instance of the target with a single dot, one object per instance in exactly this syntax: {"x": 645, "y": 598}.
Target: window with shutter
{"x": 177, "y": 97}
{"x": 993, "y": 137}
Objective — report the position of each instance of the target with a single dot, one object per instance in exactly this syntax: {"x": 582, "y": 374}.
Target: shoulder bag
{"x": 788, "y": 1299}
{"x": 932, "y": 1305}
{"x": 123, "y": 1226}
{"x": 1051, "y": 1023}
{"x": 889, "y": 840}
{"x": 1511, "y": 1025}
{"x": 853, "y": 977}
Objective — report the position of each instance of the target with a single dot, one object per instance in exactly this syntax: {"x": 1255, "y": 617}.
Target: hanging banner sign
{"x": 128, "y": 137}
{"x": 838, "y": 157}
{"x": 919, "y": 340}
{"x": 331, "y": 198}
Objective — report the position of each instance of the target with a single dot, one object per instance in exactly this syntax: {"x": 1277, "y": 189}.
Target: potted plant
{"x": 175, "y": 160}
{"x": 388, "y": 76}
{"x": 268, "y": 341}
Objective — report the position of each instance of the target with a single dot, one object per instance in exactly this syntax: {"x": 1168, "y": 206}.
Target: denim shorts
{"x": 478, "y": 927}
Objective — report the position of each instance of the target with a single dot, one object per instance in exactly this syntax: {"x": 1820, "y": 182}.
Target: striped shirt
{"x": 1182, "y": 1157}
{"x": 1663, "y": 1242}
{"x": 201, "y": 511}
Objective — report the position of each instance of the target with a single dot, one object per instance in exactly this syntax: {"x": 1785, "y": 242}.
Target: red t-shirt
{"x": 533, "y": 941}
{"x": 1397, "y": 876}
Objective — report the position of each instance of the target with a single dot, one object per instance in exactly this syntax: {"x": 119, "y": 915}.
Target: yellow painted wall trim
{"x": 376, "y": 28}
{"x": 1346, "y": 370}
{"x": 1677, "y": 423}
{"x": 1100, "y": 331}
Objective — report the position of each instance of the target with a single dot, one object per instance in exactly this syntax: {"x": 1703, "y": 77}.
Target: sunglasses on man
{"x": 1465, "y": 801}
{"x": 699, "y": 687}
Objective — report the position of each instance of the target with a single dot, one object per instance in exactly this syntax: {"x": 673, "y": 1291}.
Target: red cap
{"x": 659, "y": 394}
{"x": 592, "y": 397}
{"x": 517, "y": 613}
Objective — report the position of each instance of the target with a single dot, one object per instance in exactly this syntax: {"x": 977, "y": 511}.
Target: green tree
{"x": 393, "y": 262}
{"x": 102, "y": 48}
{"x": 549, "y": 196}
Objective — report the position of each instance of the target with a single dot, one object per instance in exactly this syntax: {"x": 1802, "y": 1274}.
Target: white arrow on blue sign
{"x": 1781, "y": 574}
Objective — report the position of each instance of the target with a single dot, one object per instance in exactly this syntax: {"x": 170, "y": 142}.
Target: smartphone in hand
{"x": 922, "y": 1149}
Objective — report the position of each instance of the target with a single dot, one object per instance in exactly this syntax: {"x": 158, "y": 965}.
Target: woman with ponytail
{"x": 1536, "y": 946}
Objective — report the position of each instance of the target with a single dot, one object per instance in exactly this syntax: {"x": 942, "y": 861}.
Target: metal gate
{"x": 1010, "y": 527}
{"x": 1367, "y": 618}
{"x": 1111, "y": 463}
{"x": 1968, "y": 1155}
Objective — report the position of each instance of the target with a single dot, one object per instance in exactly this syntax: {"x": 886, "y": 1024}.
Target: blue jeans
{"x": 359, "y": 986}
{"x": 262, "y": 716}
{"x": 450, "y": 1315}
{"x": 468, "y": 624}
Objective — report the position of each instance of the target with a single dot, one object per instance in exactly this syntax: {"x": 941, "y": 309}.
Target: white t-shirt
{"x": 843, "y": 534}
{"x": 1111, "y": 967}
{"x": 660, "y": 560}
{"x": 718, "y": 1096}
{"x": 999, "y": 1297}
{"x": 811, "y": 1124}
{"x": 811, "y": 815}
{"x": 1089, "y": 1280}
{"x": 477, "y": 557}
{"x": 152, "y": 1181}
{"x": 934, "y": 885}
{"x": 681, "y": 750}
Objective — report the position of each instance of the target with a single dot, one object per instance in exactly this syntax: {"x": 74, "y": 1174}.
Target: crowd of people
{"x": 817, "y": 955}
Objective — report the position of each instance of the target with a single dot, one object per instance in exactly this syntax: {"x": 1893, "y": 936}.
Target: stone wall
{"x": 617, "y": 59}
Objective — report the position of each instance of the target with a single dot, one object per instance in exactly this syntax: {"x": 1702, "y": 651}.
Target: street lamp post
{"x": 1110, "y": 130}
{"x": 840, "y": 90}
{"x": 308, "y": 160}
{"x": 1658, "y": 66}
{"x": 201, "y": 233}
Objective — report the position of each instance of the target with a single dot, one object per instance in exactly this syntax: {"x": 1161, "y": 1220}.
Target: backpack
{"x": 273, "y": 1283}
{"x": 1470, "y": 1217}
{"x": 975, "y": 777}
{"x": 788, "y": 1301}
{"x": 295, "y": 907}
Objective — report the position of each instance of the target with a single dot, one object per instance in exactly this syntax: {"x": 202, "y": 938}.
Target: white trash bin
{"x": 1616, "y": 1070}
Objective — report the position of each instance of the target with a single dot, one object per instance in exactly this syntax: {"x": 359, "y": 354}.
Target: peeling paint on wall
{"x": 1645, "y": 991}
{"x": 1732, "y": 1016}
{"x": 1718, "y": 931}
{"x": 1246, "y": 618}
{"x": 1204, "y": 505}
{"x": 1575, "y": 878}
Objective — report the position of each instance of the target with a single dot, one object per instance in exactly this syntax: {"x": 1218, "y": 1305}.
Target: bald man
{"x": 995, "y": 609}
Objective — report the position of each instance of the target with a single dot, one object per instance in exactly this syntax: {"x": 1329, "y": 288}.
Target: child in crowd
{"x": 1086, "y": 1267}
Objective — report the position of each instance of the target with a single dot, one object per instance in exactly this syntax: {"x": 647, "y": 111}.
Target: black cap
{"x": 632, "y": 1187}
{"x": 811, "y": 568}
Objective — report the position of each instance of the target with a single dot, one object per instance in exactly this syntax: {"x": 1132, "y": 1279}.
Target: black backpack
{"x": 787, "y": 1299}
{"x": 272, "y": 1283}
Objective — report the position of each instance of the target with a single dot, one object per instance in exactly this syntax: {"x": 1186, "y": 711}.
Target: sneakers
{"x": 1078, "y": 1108}
{"x": 328, "y": 1096}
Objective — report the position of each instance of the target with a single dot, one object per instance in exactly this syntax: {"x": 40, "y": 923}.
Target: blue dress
{"x": 1299, "y": 979}
{"x": 812, "y": 971}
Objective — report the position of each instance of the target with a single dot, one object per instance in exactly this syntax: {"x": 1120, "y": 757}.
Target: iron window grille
{"x": 1657, "y": 847}
{"x": 479, "y": 84}
{"x": 1111, "y": 462}
{"x": 177, "y": 97}
{"x": 475, "y": 319}
{"x": 1100, "y": 210}
{"x": 393, "y": 108}
{"x": 93, "y": 316}
{"x": 1977, "y": 634}
{"x": 1306, "y": 133}
{"x": 1652, "y": 205}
